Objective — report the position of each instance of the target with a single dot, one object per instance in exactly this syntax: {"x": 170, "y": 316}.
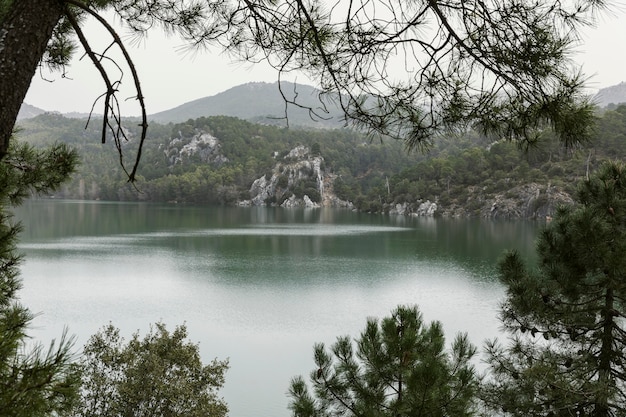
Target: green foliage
{"x": 27, "y": 170}
{"x": 396, "y": 367}
{"x": 33, "y": 381}
{"x": 523, "y": 49}
{"x": 455, "y": 169}
{"x": 574, "y": 305}
{"x": 315, "y": 149}
{"x": 161, "y": 374}
{"x": 248, "y": 150}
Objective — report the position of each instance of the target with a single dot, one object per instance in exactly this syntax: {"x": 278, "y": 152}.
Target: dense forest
{"x": 215, "y": 160}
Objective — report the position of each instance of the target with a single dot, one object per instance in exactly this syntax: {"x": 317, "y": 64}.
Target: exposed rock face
{"x": 329, "y": 198}
{"x": 305, "y": 201}
{"x": 261, "y": 190}
{"x": 299, "y": 180}
{"x": 529, "y": 201}
{"x": 203, "y": 146}
{"x": 420, "y": 209}
{"x": 426, "y": 209}
{"x": 296, "y": 181}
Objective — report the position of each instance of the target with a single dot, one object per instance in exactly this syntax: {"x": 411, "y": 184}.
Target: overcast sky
{"x": 170, "y": 77}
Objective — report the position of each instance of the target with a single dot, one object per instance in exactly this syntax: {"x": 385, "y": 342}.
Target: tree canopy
{"x": 398, "y": 367}
{"x": 411, "y": 69}
{"x": 159, "y": 375}
{"x": 34, "y": 381}
{"x": 567, "y": 353}
{"x": 464, "y": 174}
{"x": 502, "y": 66}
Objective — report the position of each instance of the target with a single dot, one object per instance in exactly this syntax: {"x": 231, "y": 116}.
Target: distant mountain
{"x": 80, "y": 115}
{"x": 256, "y": 102}
{"x": 27, "y": 111}
{"x": 615, "y": 94}
{"x": 260, "y": 103}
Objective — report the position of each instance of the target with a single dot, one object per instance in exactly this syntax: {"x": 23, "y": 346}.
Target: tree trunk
{"x": 606, "y": 357}
{"x": 24, "y": 35}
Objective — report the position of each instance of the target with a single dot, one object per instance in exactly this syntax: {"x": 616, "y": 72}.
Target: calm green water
{"x": 257, "y": 285}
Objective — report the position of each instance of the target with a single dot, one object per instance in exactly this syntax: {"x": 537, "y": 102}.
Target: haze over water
{"x": 259, "y": 286}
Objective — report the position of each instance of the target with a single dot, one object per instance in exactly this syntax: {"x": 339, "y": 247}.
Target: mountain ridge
{"x": 28, "y": 112}
{"x": 227, "y": 160}
{"x": 257, "y": 102}
{"x": 263, "y": 103}
{"x": 612, "y": 95}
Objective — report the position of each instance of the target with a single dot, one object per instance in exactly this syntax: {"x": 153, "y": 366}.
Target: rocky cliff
{"x": 297, "y": 180}
{"x": 202, "y": 146}
{"x": 528, "y": 201}
{"x": 417, "y": 209}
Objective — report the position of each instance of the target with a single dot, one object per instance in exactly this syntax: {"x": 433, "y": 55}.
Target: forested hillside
{"x": 217, "y": 160}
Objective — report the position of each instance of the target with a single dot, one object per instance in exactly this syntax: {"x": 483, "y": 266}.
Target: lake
{"x": 259, "y": 286}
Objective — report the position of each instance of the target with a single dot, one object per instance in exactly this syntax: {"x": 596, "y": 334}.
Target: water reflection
{"x": 257, "y": 285}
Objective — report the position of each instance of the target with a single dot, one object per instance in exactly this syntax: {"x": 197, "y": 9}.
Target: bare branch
{"x": 110, "y": 101}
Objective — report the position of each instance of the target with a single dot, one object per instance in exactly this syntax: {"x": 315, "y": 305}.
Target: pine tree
{"x": 567, "y": 355}
{"x": 400, "y": 368}
{"x": 504, "y": 66}
{"x": 33, "y": 381}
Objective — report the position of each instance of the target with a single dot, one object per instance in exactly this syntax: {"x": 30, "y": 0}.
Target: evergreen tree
{"x": 400, "y": 368}
{"x": 504, "y": 66}
{"x": 567, "y": 355}
{"x": 33, "y": 381}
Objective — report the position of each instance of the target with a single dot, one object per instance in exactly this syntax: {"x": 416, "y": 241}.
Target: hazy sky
{"x": 170, "y": 77}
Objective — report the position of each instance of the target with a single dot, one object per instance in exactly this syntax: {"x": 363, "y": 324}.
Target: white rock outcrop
{"x": 298, "y": 166}
{"x": 424, "y": 209}
{"x": 203, "y": 145}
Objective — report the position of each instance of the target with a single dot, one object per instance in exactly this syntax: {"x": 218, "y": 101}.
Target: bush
{"x": 159, "y": 375}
